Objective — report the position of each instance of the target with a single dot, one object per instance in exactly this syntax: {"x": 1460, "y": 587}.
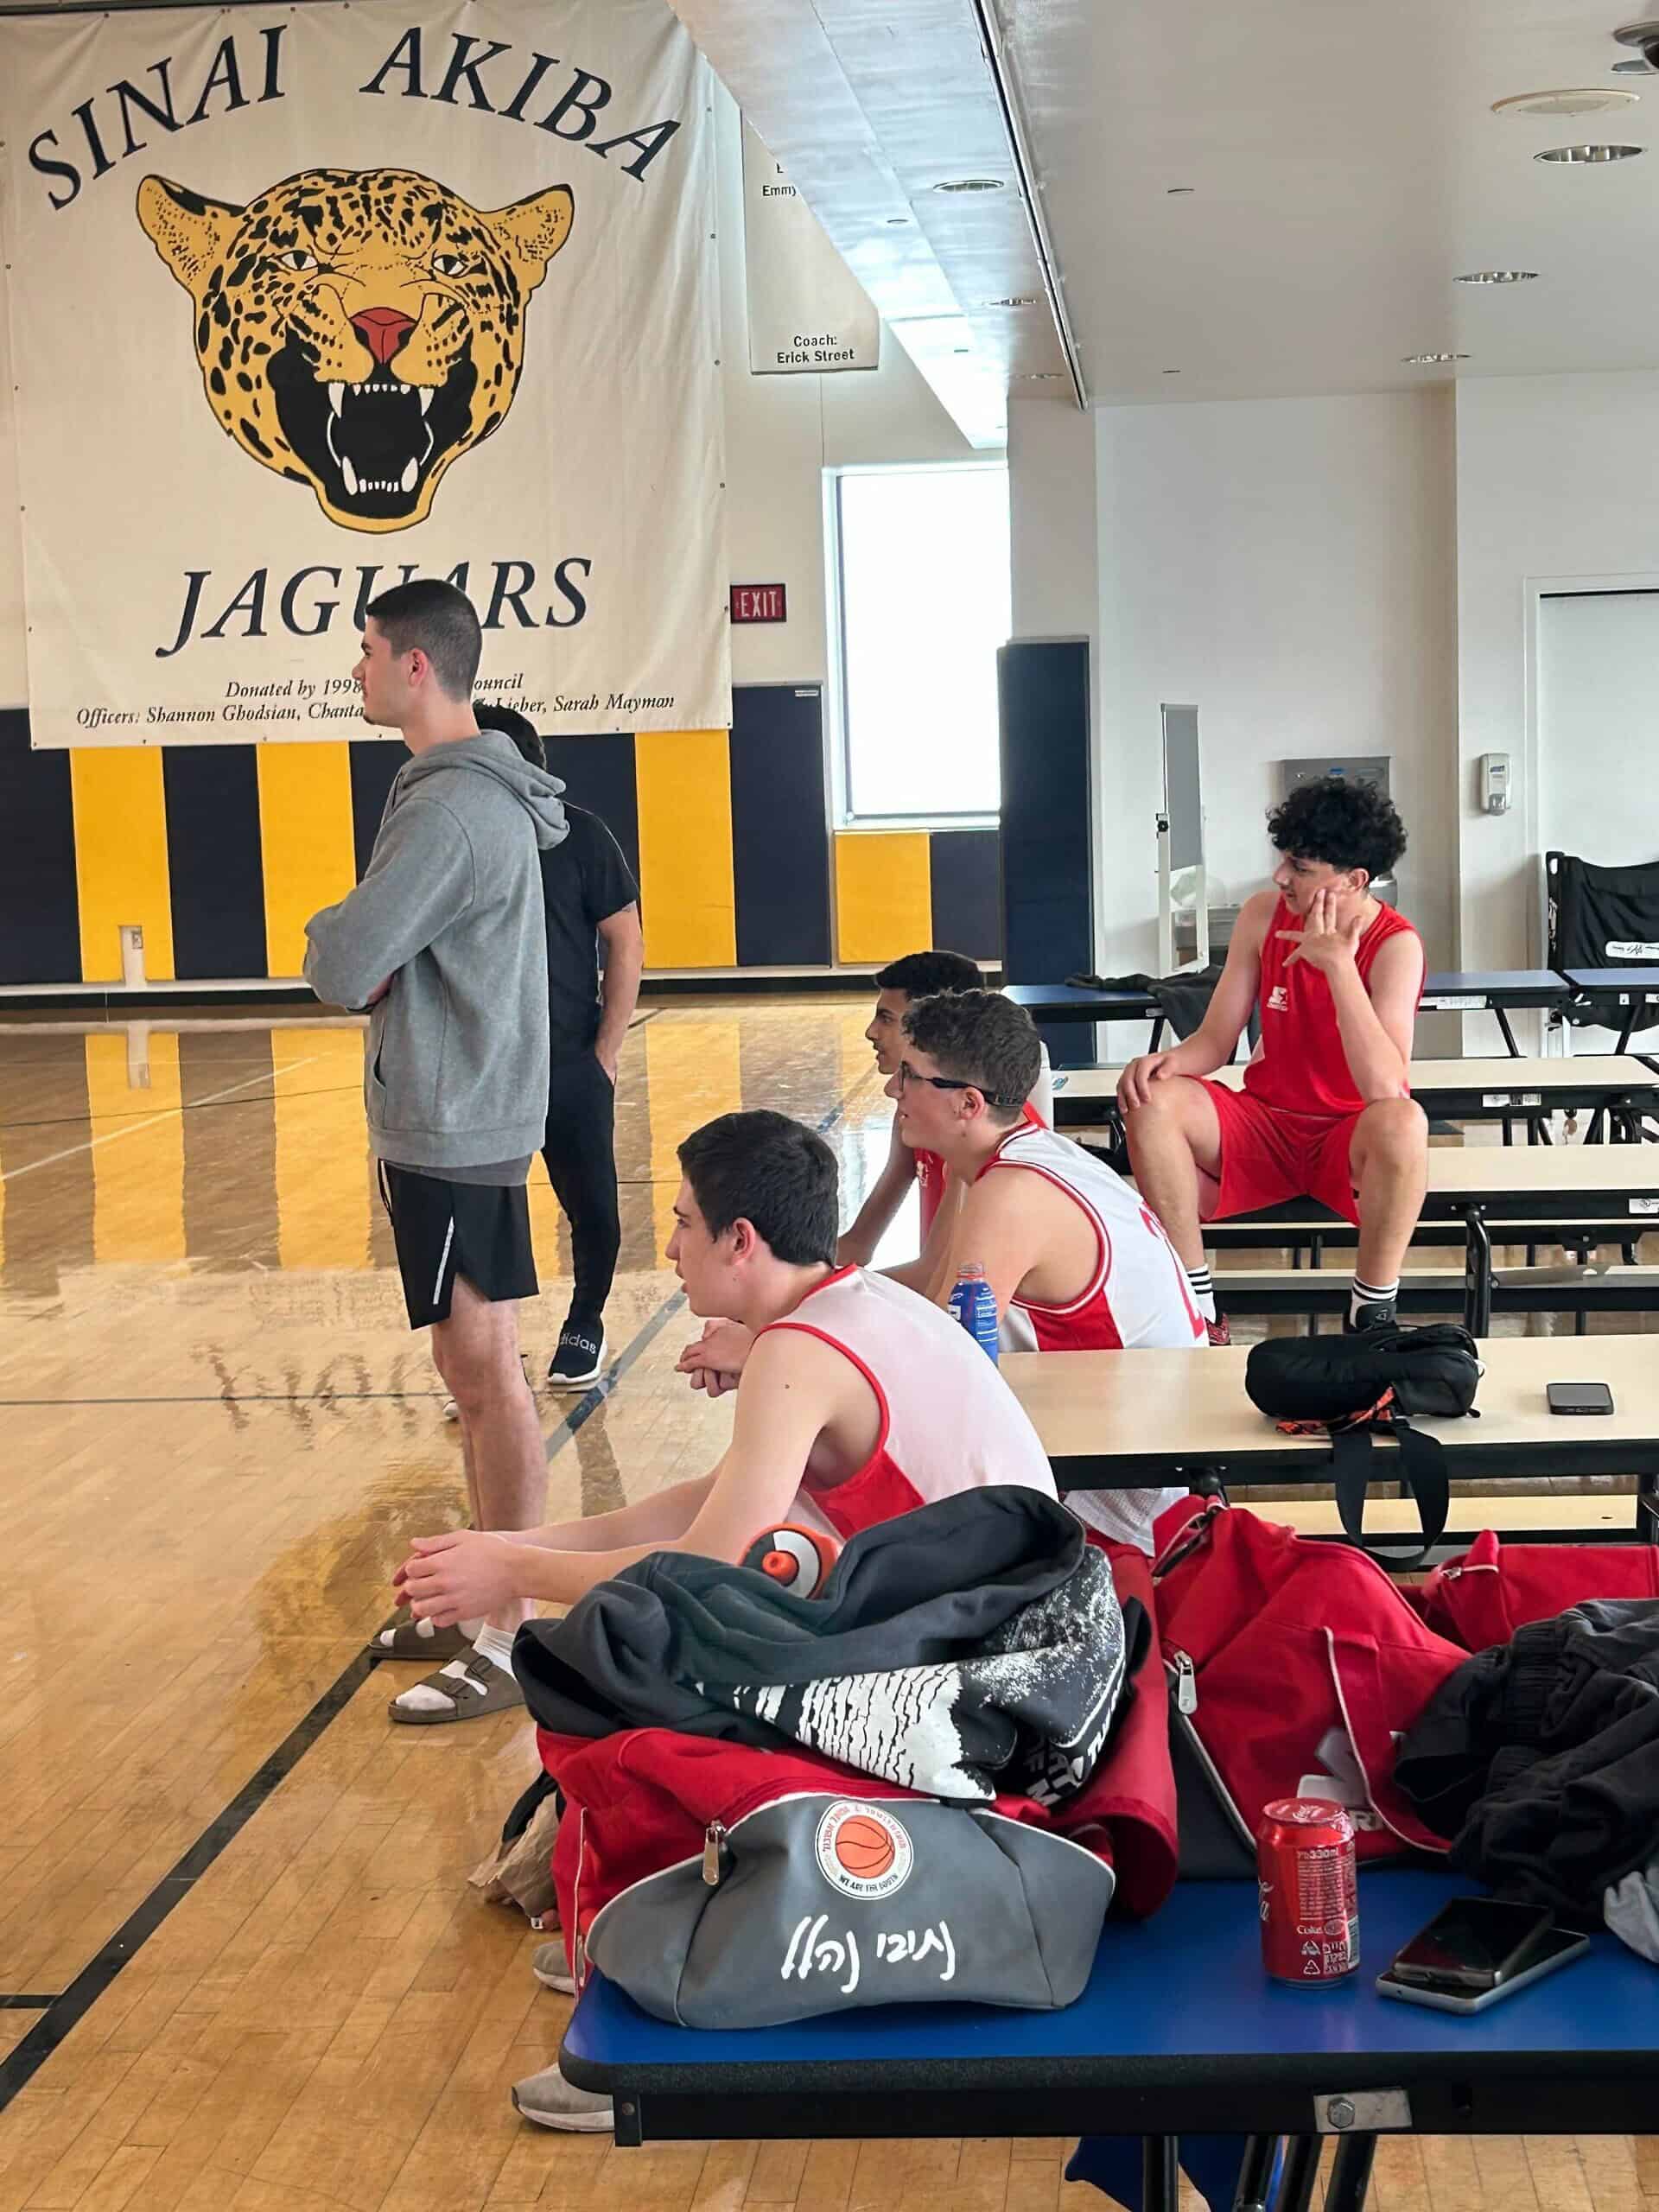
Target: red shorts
{"x": 1269, "y": 1156}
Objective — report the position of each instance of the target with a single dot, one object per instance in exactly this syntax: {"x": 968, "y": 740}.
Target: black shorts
{"x": 442, "y": 1230}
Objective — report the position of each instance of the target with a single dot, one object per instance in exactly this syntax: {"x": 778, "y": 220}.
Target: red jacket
{"x": 1298, "y": 1664}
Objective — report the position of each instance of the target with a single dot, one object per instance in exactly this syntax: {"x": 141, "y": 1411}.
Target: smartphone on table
{"x": 1578, "y": 1398}
{"x": 1478, "y": 1950}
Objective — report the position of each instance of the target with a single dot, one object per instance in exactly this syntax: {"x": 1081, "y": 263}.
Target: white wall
{"x": 1053, "y": 527}
{"x": 1289, "y": 566}
{"x": 1558, "y": 479}
{"x": 781, "y": 433}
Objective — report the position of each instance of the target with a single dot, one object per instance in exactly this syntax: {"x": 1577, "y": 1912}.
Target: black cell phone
{"x": 1558, "y": 1948}
{"x": 1579, "y": 1398}
{"x": 1472, "y": 1944}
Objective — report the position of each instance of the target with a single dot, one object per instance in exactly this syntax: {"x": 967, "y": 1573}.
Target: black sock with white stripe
{"x": 1368, "y": 1297}
{"x": 1203, "y": 1291}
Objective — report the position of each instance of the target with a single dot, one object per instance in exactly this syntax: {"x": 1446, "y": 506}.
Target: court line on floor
{"x": 154, "y": 1121}
{"x": 245, "y": 1398}
{"x": 62, "y": 2014}
{"x": 194, "y": 1105}
{"x": 25, "y": 2060}
{"x": 225, "y": 1097}
{"x": 28, "y": 2003}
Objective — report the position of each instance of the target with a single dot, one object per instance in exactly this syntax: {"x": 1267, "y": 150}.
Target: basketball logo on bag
{"x": 862, "y": 1850}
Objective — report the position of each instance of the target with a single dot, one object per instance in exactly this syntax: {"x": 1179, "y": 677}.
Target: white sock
{"x": 495, "y": 1645}
{"x": 1203, "y": 1291}
{"x": 422, "y": 1698}
{"x": 468, "y": 1629}
{"x": 1370, "y": 1293}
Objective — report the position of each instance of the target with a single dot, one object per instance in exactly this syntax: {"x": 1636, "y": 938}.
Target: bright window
{"x": 920, "y": 576}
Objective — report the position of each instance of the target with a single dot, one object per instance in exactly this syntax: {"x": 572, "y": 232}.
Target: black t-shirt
{"x": 584, "y": 881}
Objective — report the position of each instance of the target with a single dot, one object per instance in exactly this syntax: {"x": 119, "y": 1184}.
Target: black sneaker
{"x": 1373, "y": 1313}
{"x": 580, "y": 1358}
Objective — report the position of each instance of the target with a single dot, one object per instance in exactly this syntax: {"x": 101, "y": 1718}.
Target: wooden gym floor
{"x": 240, "y": 1970}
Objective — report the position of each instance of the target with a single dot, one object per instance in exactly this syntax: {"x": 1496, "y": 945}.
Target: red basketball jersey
{"x": 1299, "y": 1065}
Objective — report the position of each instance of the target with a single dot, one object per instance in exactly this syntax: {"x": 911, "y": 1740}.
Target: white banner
{"x": 306, "y": 300}
{"x": 808, "y": 312}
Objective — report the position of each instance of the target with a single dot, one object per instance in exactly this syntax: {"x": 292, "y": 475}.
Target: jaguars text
{"x": 306, "y": 604}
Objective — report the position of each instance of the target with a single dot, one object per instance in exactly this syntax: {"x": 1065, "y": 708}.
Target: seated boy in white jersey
{"x": 860, "y": 1399}
{"x": 916, "y": 976}
{"x": 1075, "y": 1259}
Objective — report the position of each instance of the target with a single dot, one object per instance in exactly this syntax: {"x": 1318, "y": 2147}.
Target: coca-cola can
{"x": 1309, "y": 1892}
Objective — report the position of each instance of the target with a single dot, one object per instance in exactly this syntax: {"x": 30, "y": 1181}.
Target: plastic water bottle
{"x": 975, "y": 1306}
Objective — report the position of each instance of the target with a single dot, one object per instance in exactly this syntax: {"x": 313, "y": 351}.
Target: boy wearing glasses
{"x": 1075, "y": 1258}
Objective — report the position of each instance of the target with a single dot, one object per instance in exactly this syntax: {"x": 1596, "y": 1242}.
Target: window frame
{"x": 837, "y": 734}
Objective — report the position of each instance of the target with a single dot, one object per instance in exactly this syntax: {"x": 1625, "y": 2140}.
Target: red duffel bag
{"x": 1482, "y": 1598}
{"x": 1295, "y": 1665}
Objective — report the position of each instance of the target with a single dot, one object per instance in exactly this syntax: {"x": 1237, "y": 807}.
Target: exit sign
{"x": 758, "y": 603}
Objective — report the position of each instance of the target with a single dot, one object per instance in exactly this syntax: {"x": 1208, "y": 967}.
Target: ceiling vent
{"x": 1592, "y": 100}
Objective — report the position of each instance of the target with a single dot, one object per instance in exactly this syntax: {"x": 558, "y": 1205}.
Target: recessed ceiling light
{"x": 1497, "y": 277}
{"x": 1038, "y": 376}
{"x": 972, "y": 184}
{"x": 1598, "y": 154}
{"x": 1577, "y": 100}
{"x": 894, "y": 220}
{"x": 1017, "y": 300}
{"x": 1179, "y": 191}
{"x": 1171, "y": 372}
{"x": 1431, "y": 361}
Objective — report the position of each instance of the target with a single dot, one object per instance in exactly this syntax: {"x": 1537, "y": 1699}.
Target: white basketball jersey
{"x": 1137, "y": 1298}
{"x": 949, "y": 1421}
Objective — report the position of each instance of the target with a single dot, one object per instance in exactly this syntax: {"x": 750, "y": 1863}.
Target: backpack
{"x": 726, "y": 1887}
{"x": 1482, "y": 1596}
{"x": 1292, "y": 1667}
{"x": 1357, "y": 1387}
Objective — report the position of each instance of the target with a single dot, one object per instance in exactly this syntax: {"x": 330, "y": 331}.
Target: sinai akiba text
{"x": 482, "y": 76}
{"x": 307, "y": 603}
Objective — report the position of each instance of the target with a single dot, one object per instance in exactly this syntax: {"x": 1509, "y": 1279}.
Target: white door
{"x": 1598, "y": 734}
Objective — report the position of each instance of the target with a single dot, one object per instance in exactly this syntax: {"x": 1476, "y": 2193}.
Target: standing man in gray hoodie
{"x": 444, "y": 940}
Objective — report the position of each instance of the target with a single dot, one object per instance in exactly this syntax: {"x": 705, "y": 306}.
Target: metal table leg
{"x": 1350, "y": 2176}
{"x": 1301, "y": 2172}
{"x": 1160, "y": 2173}
{"x": 1508, "y": 1033}
{"x": 1256, "y": 2176}
{"x": 1476, "y": 1274}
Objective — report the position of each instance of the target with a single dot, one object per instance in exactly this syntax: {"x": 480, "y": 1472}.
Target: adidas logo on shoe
{"x": 579, "y": 1359}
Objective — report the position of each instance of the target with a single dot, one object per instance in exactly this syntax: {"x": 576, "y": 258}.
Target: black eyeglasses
{"x": 908, "y": 1075}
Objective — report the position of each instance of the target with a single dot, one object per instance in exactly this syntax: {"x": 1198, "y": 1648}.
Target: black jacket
{"x": 1540, "y": 1759}
{"x": 966, "y": 1647}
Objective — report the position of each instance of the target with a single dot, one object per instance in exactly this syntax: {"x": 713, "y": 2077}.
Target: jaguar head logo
{"x": 358, "y": 330}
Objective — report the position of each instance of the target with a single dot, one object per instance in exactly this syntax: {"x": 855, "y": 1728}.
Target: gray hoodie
{"x": 457, "y": 1070}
